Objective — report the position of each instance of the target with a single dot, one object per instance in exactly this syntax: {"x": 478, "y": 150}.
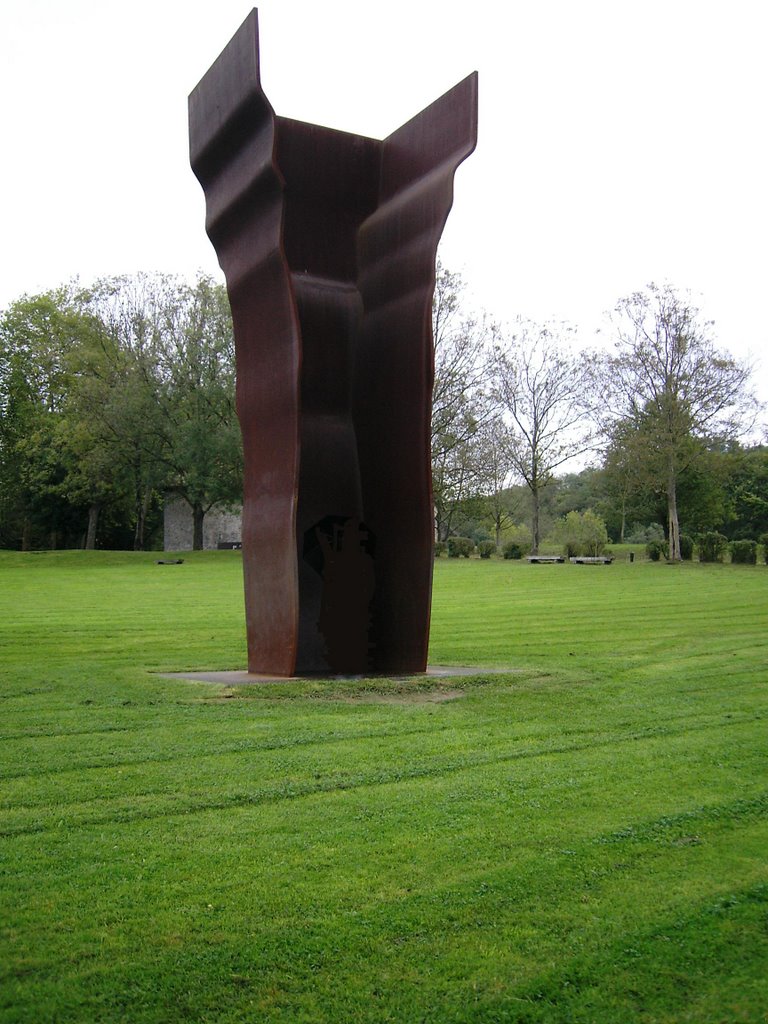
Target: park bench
{"x": 592, "y": 560}
{"x": 544, "y": 558}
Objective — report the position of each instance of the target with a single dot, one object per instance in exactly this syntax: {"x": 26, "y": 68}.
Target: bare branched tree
{"x": 461, "y": 397}
{"x": 496, "y": 473}
{"x": 544, "y": 391}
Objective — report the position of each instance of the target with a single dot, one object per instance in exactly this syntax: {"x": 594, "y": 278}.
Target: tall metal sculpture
{"x": 328, "y": 243}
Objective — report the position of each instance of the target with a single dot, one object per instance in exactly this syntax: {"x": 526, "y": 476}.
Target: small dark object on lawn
{"x": 170, "y": 561}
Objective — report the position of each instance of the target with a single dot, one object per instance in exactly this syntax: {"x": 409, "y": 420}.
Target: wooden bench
{"x": 544, "y": 558}
{"x": 592, "y": 560}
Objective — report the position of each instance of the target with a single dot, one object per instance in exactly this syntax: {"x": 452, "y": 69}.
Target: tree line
{"x": 657, "y": 420}
{"x": 113, "y": 396}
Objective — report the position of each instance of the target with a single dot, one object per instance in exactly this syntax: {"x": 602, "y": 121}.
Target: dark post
{"x": 328, "y": 243}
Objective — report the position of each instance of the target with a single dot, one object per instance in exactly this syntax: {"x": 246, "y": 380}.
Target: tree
{"x": 672, "y": 387}
{"x": 169, "y": 408}
{"x": 461, "y": 400}
{"x": 544, "y": 392}
{"x": 109, "y": 396}
{"x": 39, "y": 336}
{"x": 203, "y": 449}
{"x": 628, "y": 490}
{"x": 748, "y": 487}
{"x": 93, "y": 480}
{"x": 494, "y": 473}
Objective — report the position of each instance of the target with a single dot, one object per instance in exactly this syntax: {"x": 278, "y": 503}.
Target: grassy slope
{"x": 581, "y": 838}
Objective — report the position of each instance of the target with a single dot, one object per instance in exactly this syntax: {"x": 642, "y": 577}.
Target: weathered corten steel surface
{"x": 328, "y": 243}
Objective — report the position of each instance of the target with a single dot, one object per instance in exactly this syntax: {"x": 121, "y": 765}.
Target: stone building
{"x": 221, "y": 527}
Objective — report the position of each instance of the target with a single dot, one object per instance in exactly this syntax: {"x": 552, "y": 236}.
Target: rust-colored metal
{"x": 328, "y": 242}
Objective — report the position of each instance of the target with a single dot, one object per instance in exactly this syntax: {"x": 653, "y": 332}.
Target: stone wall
{"x": 219, "y": 526}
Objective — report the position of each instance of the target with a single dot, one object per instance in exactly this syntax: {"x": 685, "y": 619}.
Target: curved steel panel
{"x": 328, "y": 243}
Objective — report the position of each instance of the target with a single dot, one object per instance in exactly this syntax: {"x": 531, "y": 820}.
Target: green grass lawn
{"x": 580, "y": 837}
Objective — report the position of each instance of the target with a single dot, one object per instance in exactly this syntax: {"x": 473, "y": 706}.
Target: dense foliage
{"x": 743, "y": 552}
{"x": 111, "y": 397}
{"x": 460, "y": 547}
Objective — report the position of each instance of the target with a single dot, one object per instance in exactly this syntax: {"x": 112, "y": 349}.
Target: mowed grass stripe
{"x": 376, "y": 931}
{"x": 111, "y": 760}
{"x": 100, "y": 797}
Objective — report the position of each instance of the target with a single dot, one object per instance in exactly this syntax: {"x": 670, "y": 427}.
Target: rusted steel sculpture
{"x": 328, "y": 243}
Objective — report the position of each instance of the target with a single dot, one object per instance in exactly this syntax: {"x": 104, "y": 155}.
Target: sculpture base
{"x": 236, "y": 678}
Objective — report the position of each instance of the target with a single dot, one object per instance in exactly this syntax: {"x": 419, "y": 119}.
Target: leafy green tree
{"x": 748, "y": 490}
{"x": 123, "y": 384}
{"x": 38, "y": 336}
{"x": 579, "y": 491}
{"x": 703, "y": 498}
{"x": 168, "y": 391}
{"x": 629, "y": 492}
{"x": 675, "y": 391}
{"x": 93, "y": 480}
{"x": 203, "y": 449}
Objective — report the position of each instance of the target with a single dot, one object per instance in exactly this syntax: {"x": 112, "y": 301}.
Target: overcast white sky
{"x": 620, "y": 142}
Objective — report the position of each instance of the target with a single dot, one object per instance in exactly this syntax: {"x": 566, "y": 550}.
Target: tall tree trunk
{"x": 535, "y": 515}
{"x": 439, "y": 529}
{"x": 198, "y": 515}
{"x": 623, "y": 529}
{"x": 143, "y": 498}
{"x": 444, "y": 518}
{"x": 26, "y": 534}
{"x": 674, "y": 526}
{"x": 93, "y": 522}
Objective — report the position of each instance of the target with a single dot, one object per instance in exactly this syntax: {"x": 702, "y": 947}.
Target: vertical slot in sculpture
{"x": 328, "y": 243}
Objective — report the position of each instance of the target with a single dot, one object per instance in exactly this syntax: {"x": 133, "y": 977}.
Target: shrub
{"x": 512, "y": 550}
{"x": 486, "y": 548}
{"x": 519, "y": 534}
{"x": 639, "y": 534}
{"x": 686, "y": 547}
{"x": 656, "y": 548}
{"x": 479, "y": 534}
{"x": 460, "y": 547}
{"x": 744, "y": 552}
{"x": 440, "y": 548}
{"x": 581, "y": 533}
{"x": 712, "y": 546}
{"x": 764, "y": 542}
{"x": 593, "y": 535}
